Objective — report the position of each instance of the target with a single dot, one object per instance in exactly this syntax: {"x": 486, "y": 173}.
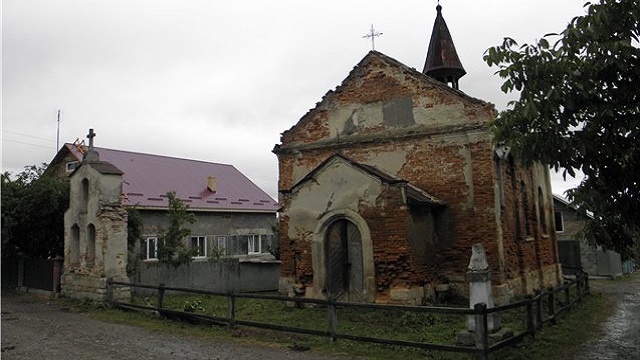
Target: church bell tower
{"x": 442, "y": 61}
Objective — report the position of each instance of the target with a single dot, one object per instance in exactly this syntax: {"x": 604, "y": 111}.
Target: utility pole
{"x": 58, "y": 134}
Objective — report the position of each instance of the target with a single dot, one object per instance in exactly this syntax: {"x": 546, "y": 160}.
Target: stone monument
{"x": 479, "y": 278}
{"x": 95, "y": 236}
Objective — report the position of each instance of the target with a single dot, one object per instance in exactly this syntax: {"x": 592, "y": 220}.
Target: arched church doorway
{"x": 343, "y": 260}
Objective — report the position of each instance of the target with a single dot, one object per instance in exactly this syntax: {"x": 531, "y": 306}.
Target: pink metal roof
{"x": 147, "y": 178}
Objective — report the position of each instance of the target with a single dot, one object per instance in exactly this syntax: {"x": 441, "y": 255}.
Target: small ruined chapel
{"x": 95, "y": 237}
{"x": 390, "y": 180}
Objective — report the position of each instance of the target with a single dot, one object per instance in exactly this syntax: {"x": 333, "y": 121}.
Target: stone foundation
{"x": 81, "y": 286}
{"x": 549, "y": 276}
{"x": 407, "y": 296}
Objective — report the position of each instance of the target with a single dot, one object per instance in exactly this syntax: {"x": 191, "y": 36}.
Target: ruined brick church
{"x": 388, "y": 182}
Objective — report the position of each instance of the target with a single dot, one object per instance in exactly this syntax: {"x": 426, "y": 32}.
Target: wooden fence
{"x": 539, "y": 309}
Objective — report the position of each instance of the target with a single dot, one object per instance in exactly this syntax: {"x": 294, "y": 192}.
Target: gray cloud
{"x": 219, "y": 80}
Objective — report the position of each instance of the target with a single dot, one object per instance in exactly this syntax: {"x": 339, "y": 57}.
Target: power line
{"x": 30, "y": 144}
{"x": 26, "y": 135}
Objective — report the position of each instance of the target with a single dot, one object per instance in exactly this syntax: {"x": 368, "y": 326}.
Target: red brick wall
{"x": 456, "y": 165}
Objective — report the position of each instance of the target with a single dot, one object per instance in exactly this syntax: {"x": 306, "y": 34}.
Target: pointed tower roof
{"x": 442, "y": 59}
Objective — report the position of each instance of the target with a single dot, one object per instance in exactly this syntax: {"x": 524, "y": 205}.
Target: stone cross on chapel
{"x": 90, "y": 137}
{"x": 91, "y": 155}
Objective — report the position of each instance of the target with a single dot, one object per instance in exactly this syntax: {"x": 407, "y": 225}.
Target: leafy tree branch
{"x": 579, "y": 109}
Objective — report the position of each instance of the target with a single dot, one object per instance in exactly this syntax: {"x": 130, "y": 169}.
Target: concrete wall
{"x": 213, "y": 223}
{"x": 220, "y": 275}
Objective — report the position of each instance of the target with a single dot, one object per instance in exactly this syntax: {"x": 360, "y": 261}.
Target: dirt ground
{"x": 32, "y": 328}
{"x": 620, "y": 339}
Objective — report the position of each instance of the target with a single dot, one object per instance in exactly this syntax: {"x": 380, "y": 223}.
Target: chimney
{"x": 211, "y": 183}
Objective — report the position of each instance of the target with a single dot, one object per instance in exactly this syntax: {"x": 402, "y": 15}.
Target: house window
{"x": 254, "y": 244}
{"x": 149, "y": 248}
{"x": 233, "y": 245}
{"x": 199, "y": 243}
{"x": 559, "y": 221}
{"x": 221, "y": 245}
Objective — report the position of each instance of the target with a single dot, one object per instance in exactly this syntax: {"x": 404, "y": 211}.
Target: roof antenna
{"x": 372, "y": 34}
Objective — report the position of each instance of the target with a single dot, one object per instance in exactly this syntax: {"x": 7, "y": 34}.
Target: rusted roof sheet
{"x": 442, "y": 58}
{"x": 147, "y": 178}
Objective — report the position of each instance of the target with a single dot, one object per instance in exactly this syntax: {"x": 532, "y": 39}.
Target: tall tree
{"x": 135, "y": 227}
{"x": 579, "y": 109}
{"x": 172, "y": 248}
{"x": 33, "y": 206}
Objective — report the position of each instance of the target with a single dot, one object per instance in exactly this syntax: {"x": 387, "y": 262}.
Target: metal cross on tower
{"x": 372, "y": 34}
{"x": 90, "y": 137}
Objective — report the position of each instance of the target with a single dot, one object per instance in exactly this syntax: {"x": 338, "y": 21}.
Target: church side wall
{"x": 531, "y": 256}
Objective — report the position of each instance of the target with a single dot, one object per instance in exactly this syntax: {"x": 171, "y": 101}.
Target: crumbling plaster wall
{"x": 437, "y": 139}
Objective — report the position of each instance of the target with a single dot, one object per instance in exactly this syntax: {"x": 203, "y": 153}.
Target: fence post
{"x": 530, "y": 324}
{"x": 551, "y": 304}
{"x": 585, "y": 276}
{"x": 481, "y": 330}
{"x": 160, "y": 298}
{"x": 539, "y": 309}
{"x": 332, "y": 318}
{"x": 579, "y": 286}
{"x": 231, "y": 309}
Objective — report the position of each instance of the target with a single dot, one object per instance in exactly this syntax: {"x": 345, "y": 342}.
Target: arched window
{"x": 525, "y": 209}
{"x": 541, "y": 213}
{"x": 84, "y": 195}
{"x": 74, "y": 245}
{"x": 91, "y": 245}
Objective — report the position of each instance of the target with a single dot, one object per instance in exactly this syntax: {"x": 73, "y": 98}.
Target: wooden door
{"x": 343, "y": 251}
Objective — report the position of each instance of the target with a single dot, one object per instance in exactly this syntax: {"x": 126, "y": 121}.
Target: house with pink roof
{"x": 235, "y": 218}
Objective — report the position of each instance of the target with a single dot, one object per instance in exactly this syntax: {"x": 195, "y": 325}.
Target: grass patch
{"x": 563, "y": 340}
{"x": 554, "y": 342}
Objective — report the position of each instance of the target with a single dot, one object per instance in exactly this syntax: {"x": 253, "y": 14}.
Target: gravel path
{"x": 33, "y": 328}
{"x": 621, "y": 332}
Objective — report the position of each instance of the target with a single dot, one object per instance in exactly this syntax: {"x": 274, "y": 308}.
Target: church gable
{"x": 339, "y": 175}
{"x": 383, "y": 95}
{"x": 335, "y": 184}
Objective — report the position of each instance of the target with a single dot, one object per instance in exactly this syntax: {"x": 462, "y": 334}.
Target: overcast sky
{"x": 220, "y": 80}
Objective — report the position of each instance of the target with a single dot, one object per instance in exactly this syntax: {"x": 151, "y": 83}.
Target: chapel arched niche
{"x": 343, "y": 257}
